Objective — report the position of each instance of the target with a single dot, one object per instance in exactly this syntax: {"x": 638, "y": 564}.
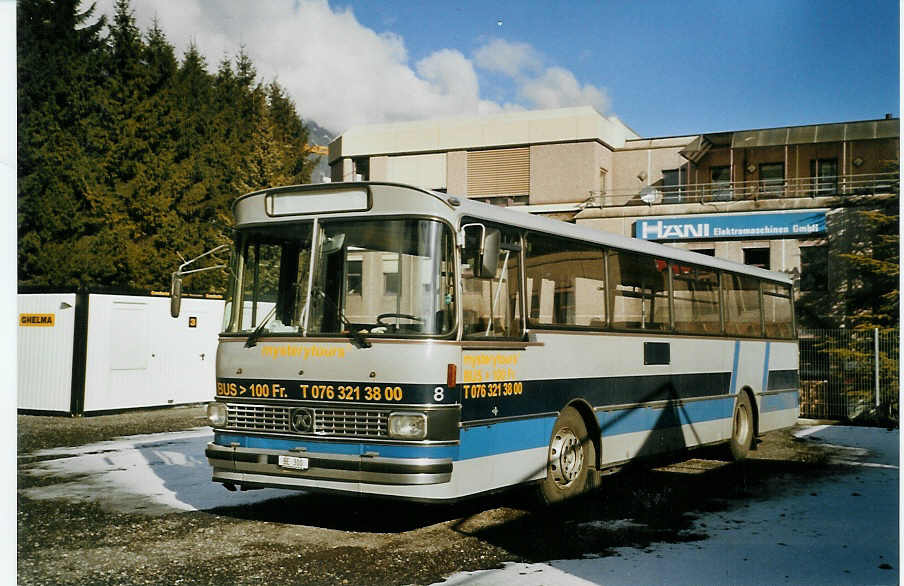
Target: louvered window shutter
{"x": 499, "y": 172}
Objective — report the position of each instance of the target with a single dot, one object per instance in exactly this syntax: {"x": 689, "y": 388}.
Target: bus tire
{"x": 570, "y": 459}
{"x": 741, "y": 428}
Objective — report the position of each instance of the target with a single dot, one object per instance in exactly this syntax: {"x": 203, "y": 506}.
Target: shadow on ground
{"x": 635, "y": 507}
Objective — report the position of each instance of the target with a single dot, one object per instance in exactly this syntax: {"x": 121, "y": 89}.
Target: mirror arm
{"x": 201, "y": 270}
{"x": 176, "y": 291}
{"x": 483, "y": 233}
{"x": 182, "y": 272}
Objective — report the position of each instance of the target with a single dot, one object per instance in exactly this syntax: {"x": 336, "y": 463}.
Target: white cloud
{"x": 558, "y": 88}
{"x": 341, "y": 73}
{"x": 538, "y": 87}
{"x": 512, "y": 59}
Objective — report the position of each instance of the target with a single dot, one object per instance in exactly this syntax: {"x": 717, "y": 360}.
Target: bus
{"x": 386, "y": 340}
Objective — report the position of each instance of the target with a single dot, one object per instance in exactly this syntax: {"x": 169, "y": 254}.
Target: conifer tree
{"x": 873, "y": 299}
{"x": 61, "y": 93}
{"x": 129, "y": 157}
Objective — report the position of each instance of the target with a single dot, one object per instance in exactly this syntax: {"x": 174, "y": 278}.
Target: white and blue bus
{"x": 382, "y": 339}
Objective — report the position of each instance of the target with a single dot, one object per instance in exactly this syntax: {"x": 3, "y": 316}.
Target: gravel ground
{"x": 38, "y": 432}
{"x": 319, "y": 539}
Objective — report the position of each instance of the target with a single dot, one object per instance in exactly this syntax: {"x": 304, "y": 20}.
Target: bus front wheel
{"x": 570, "y": 459}
{"x": 741, "y": 428}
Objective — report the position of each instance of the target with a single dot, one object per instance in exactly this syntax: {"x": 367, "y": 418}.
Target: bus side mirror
{"x": 489, "y": 258}
{"x": 175, "y": 295}
{"x": 176, "y": 282}
{"x": 480, "y": 249}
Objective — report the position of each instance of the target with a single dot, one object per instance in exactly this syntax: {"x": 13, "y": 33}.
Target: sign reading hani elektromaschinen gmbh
{"x": 763, "y": 225}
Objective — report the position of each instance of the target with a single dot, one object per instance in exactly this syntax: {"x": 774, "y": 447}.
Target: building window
{"x": 721, "y": 183}
{"x": 354, "y": 272}
{"x": 824, "y": 174}
{"x": 499, "y": 172}
{"x": 772, "y": 179}
{"x": 673, "y": 181}
{"x": 362, "y": 168}
{"x": 814, "y": 263}
{"x": 706, "y": 251}
{"x": 392, "y": 280}
{"x": 604, "y": 185}
{"x": 504, "y": 201}
{"x": 757, "y": 257}
{"x": 336, "y": 171}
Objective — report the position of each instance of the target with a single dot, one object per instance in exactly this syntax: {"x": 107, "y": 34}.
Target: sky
{"x": 664, "y": 68}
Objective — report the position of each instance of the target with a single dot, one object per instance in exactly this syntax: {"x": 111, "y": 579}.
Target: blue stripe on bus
{"x": 506, "y": 436}
{"x": 732, "y": 388}
{"x": 349, "y": 449}
{"x": 779, "y": 402}
{"x": 509, "y": 436}
{"x": 766, "y": 367}
{"x": 645, "y": 418}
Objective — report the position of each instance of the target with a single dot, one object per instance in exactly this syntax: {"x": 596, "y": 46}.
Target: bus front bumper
{"x": 292, "y": 469}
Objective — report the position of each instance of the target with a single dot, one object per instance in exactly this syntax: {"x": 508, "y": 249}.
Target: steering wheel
{"x": 402, "y": 315}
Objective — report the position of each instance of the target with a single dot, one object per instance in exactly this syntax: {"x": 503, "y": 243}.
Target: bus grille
{"x": 257, "y": 418}
{"x": 351, "y": 423}
{"x": 332, "y": 422}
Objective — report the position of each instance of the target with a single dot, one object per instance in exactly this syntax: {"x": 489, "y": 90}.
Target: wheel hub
{"x": 566, "y": 457}
{"x": 742, "y": 425}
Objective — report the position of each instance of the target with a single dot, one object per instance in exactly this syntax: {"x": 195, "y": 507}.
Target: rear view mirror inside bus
{"x": 481, "y": 249}
{"x": 333, "y": 244}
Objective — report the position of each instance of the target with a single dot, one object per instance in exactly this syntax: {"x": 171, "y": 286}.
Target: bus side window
{"x": 639, "y": 291}
{"x": 492, "y": 307}
{"x": 261, "y": 292}
{"x": 779, "y": 317}
{"x": 742, "y": 305}
{"x": 696, "y": 300}
{"x": 565, "y": 283}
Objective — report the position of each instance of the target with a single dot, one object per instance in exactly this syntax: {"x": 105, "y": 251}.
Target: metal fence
{"x": 826, "y": 186}
{"x": 846, "y": 374}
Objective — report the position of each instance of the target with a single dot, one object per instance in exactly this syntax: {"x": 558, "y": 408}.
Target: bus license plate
{"x": 293, "y": 462}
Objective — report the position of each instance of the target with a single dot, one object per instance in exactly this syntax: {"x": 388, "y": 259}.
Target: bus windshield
{"x": 373, "y": 277}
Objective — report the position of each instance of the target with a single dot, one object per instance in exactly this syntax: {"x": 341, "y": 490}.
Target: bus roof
{"x": 462, "y": 206}
{"x": 511, "y": 216}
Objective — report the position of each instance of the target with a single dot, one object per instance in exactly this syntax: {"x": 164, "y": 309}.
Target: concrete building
{"x": 764, "y": 197}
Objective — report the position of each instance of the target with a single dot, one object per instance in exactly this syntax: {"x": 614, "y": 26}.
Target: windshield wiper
{"x": 357, "y": 338}
{"x": 259, "y": 331}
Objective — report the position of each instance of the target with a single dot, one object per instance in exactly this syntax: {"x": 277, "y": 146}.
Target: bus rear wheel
{"x": 741, "y": 428}
{"x": 570, "y": 460}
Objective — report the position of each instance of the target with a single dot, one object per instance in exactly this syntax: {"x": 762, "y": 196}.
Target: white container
{"x": 125, "y": 352}
{"x": 45, "y": 348}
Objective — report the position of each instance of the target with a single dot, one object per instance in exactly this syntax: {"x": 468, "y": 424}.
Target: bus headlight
{"x": 216, "y": 414}
{"x": 411, "y": 426}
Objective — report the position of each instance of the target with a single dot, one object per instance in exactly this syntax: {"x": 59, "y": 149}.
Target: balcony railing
{"x": 804, "y": 187}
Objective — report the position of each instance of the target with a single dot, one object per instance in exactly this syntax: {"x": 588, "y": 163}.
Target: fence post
{"x": 876, "y": 363}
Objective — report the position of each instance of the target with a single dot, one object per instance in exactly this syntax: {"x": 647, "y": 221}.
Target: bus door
{"x": 492, "y": 325}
